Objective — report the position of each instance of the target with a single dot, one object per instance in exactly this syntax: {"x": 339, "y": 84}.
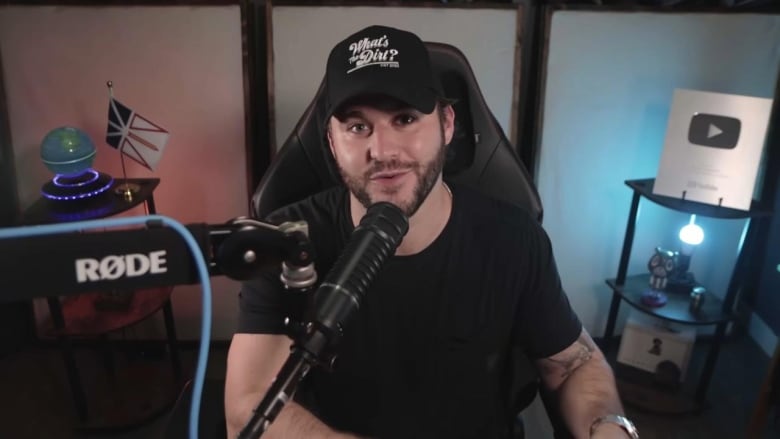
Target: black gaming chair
{"x": 479, "y": 156}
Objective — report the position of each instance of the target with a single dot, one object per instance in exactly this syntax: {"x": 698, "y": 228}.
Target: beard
{"x": 426, "y": 173}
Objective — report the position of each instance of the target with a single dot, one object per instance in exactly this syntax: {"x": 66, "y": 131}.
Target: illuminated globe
{"x": 67, "y": 151}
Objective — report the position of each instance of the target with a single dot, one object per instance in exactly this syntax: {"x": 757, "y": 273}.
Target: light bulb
{"x": 691, "y": 233}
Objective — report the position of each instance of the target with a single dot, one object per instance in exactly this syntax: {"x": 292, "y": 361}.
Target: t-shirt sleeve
{"x": 264, "y": 304}
{"x": 545, "y": 323}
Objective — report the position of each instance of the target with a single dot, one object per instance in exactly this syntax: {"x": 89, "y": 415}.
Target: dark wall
{"x": 9, "y": 203}
{"x": 16, "y": 317}
{"x": 766, "y": 301}
{"x": 255, "y": 21}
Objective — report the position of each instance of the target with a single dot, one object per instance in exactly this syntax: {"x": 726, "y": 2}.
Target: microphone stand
{"x": 302, "y": 358}
{"x": 337, "y": 299}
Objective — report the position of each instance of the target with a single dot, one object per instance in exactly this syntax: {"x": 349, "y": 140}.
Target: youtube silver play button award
{"x": 713, "y": 147}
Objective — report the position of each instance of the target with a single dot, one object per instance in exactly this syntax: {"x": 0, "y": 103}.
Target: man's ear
{"x": 330, "y": 140}
{"x": 449, "y": 124}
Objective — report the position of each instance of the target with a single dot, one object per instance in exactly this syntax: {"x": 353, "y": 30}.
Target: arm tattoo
{"x": 572, "y": 358}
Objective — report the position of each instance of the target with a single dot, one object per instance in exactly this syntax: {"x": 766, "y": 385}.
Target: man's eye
{"x": 357, "y": 127}
{"x": 406, "y": 119}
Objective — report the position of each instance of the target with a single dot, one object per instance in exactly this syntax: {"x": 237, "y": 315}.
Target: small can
{"x": 697, "y": 298}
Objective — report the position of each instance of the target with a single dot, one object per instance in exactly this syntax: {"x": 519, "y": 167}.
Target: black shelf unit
{"x": 677, "y": 308}
{"x": 713, "y": 311}
{"x": 644, "y": 187}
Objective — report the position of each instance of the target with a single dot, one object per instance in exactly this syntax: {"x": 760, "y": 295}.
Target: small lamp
{"x": 681, "y": 280}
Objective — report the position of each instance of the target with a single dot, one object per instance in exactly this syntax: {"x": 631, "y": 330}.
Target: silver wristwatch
{"x": 618, "y": 420}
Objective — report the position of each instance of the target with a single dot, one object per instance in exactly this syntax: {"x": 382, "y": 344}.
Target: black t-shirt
{"x": 427, "y": 355}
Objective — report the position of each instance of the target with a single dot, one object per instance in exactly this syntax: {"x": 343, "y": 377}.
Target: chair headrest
{"x": 479, "y": 156}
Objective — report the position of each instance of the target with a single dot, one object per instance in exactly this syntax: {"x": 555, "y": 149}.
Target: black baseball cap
{"x": 380, "y": 60}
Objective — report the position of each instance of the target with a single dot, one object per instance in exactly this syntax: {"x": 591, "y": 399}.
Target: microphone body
{"x": 339, "y": 296}
{"x": 342, "y": 291}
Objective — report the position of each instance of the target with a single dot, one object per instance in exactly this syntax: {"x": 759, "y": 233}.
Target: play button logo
{"x": 714, "y": 131}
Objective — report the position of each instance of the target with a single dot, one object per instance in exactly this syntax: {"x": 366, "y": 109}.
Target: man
{"x": 427, "y": 354}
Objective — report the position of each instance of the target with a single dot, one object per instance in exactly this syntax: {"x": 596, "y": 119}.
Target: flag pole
{"x": 125, "y": 189}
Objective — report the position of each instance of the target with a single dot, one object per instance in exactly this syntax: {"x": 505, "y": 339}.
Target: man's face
{"x": 387, "y": 151}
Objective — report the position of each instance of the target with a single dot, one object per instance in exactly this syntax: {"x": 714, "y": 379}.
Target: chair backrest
{"x": 479, "y": 155}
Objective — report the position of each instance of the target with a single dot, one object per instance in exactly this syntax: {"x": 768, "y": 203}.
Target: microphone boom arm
{"x": 153, "y": 256}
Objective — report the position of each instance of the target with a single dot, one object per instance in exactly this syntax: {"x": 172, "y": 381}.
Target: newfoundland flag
{"x": 134, "y": 135}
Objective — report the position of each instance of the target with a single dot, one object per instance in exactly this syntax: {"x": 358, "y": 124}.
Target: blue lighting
{"x": 59, "y": 191}
{"x": 82, "y": 215}
{"x": 691, "y": 233}
{"x": 75, "y": 181}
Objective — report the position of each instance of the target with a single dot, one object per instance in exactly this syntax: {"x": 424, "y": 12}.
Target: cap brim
{"x": 422, "y": 99}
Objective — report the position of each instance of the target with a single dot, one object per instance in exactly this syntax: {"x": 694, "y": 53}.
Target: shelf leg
{"x": 170, "y": 330}
{"x": 709, "y": 365}
{"x": 55, "y": 309}
{"x": 613, "y": 312}
{"x": 108, "y": 355}
{"x": 628, "y": 240}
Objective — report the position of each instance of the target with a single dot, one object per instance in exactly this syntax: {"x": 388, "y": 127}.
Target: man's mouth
{"x": 389, "y": 175}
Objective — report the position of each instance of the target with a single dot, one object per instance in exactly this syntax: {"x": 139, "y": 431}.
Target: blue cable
{"x": 203, "y": 273}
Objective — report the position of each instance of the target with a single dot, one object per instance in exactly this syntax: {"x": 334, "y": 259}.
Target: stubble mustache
{"x": 392, "y": 165}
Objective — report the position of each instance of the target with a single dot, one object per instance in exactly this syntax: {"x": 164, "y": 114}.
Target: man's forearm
{"x": 584, "y": 386}
{"x": 293, "y": 422}
{"x": 587, "y": 394}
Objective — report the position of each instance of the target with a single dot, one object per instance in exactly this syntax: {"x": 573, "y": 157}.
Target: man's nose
{"x": 384, "y": 145}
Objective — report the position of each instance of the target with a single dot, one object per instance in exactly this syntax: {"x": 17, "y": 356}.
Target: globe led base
{"x": 88, "y": 184}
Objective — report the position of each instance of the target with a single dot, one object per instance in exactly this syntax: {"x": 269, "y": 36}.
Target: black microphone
{"x": 338, "y": 297}
{"x": 372, "y": 242}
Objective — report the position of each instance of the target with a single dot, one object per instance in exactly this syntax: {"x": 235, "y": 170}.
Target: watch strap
{"x": 620, "y": 421}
